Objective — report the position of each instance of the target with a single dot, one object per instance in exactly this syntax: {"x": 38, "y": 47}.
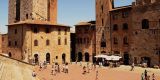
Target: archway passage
{"x": 36, "y": 60}
{"x": 93, "y": 58}
{"x": 147, "y": 60}
{"x": 9, "y": 54}
{"x": 126, "y": 59}
{"x": 79, "y": 57}
{"x": 63, "y": 58}
{"x": 87, "y": 57}
{"x": 48, "y": 57}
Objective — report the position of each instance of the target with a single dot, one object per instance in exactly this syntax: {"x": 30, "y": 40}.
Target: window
{"x": 59, "y": 41}
{"x": 115, "y": 16}
{"x": 125, "y": 14}
{"x": 59, "y": 31}
{"x": 145, "y": 24}
{"x": 125, "y": 40}
{"x": 35, "y": 30}
{"x": 9, "y": 43}
{"x": 102, "y": 23}
{"x": 18, "y": 4}
{"x": 35, "y": 42}
{"x": 84, "y": 41}
{"x": 115, "y": 40}
{"x": 47, "y": 30}
{"x": 65, "y": 41}
{"x": 15, "y": 43}
{"x": 81, "y": 41}
{"x": 26, "y": 16}
{"x": 125, "y": 26}
{"x": 47, "y": 42}
{"x": 65, "y": 32}
{"x": 102, "y": 8}
{"x": 15, "y": 31}
{"x": 115, "y": 27}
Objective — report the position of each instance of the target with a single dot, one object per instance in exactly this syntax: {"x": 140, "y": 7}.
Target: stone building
{"x": 3, "y": 43}
{"x": 33, "y": 32}
{"x": 129, "y": 31}
{"x": 85, "y": 41}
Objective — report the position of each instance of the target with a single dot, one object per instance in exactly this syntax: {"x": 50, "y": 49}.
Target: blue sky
{"x": 70, "y": 12}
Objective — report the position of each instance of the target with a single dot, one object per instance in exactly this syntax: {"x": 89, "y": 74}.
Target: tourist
{"x": 63, "y": 68}
{"x": 153, "y": 76}
{"x": 58, "y": 69}
{"x": 80, "y": 63}
{"x": 34, "y": 74}
{"x": 145, "y": 74}
{"x": 97, "y": 75}
{"x": 142, "y": 76}
{"x": 84, "y": 69}
{"x": 66, "y": 68}
{"x": 132, "y": 67}
{"x": 40, "y": 66}
{"x": 87, "y": 67}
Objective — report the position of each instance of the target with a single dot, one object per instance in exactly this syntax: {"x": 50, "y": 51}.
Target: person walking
{"x": 34, "y": 74}
{"x": 84, "y": 70}
{"x": 66, "y": 67}
{"x": 132, "y": 67}
{"x": 153, "y": 77}
{"x": 142, "y": 76}
{"x": 58, "y": 69}
{"x": 96, "y": 75}
{"x": 145, "y": 74}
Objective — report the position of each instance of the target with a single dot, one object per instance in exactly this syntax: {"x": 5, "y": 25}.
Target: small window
{"x": 65, "y": 41}
{"x": 47, "y": 42}
{"x": 84, "y": 41}
{"x": 81, "y": 41}
{"x": 47, "y": 30}
{"x": 102, "y": 8}
{"x": 125, "y": 40}
{"x": 35, "y": 30}
{"x": 115, "y": 27}
{"x": 125, "y": 26}
{"x": 56, "y": 57}
{"x": 59, "y": 41}
{"x": 125, "y": 14}
{"x": 115, "y": 16}
{"x": 15, "y": 31}
{"x": 102, "y": 22}
{"x": 145, "y": 24}
{"x": 15, "y": 43}
{"x": 65, "y": 32}
{"x": 115, "y": 40}
{"x": 9, "y": 43}
{"x": 35, "y": 42}
{"x": 26, "y": 16}
{"x": 59, "y": 31}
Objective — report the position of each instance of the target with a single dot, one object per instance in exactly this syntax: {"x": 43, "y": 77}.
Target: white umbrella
{"x": 115, "y": 58}
{"x": 101, "y": 56}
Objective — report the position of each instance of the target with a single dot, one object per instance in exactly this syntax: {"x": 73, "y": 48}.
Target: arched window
{"x": 26, "y": 16}
{"x": 15, "y": 43}
{"x": 115, "y": 27}
{"x": 35, "y": 42}
{"x": 145, "y": 24}
{"x": 59, "y": 31}
{"x": 125, "y": 40}
{"x": 47, "y": 42}
{"x": 59, "y": 41}
{"x": 125, "y": 26}
{"x": 65, "y": 32}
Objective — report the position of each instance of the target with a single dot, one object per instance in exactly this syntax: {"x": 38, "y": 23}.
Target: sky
{"x": 70, "y": 12}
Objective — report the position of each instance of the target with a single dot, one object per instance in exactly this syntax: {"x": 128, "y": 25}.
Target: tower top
{"x": 21, "y": 10}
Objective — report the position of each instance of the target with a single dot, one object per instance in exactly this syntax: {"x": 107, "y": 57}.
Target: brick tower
{"x": 21, "y": 10}
{"x": 103, "y": 25}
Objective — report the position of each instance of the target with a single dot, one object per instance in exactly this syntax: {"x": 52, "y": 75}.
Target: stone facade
{"x": 139, "y": 41}
{"x": 4, "y": 43}
{"x": 33, "y": 32}
{"x": 85, "y": 41}
{"x": 21, "y": 10}
{"x": 29, "y": 45}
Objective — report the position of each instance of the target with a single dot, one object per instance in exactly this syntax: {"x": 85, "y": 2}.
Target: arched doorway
{"x": 48, "y": 57}
{"x": 126, "y": 58}
{"x": 79, "y": 57}
{"x": 63, "y": 58}
{"x": 9, "y": 54}
{"x": 36, "y": 60}
{"x": 146, "y": 60}
{"x": 87, "y": 57}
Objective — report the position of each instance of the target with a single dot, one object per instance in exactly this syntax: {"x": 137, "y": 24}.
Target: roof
{"x": 85, "y": 23}
{"x": 122, "y": 7}
{"x": 37, "y": 22}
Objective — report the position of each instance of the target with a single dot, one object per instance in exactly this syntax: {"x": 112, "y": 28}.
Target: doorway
{"x": 48, "y": 57}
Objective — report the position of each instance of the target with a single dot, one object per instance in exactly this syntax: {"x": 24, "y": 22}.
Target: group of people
{"x": 145, "y": 76}
{"x": 56, "y": 68}
{"x": 88, "y": 67}
{"x": 42, "y": 65}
